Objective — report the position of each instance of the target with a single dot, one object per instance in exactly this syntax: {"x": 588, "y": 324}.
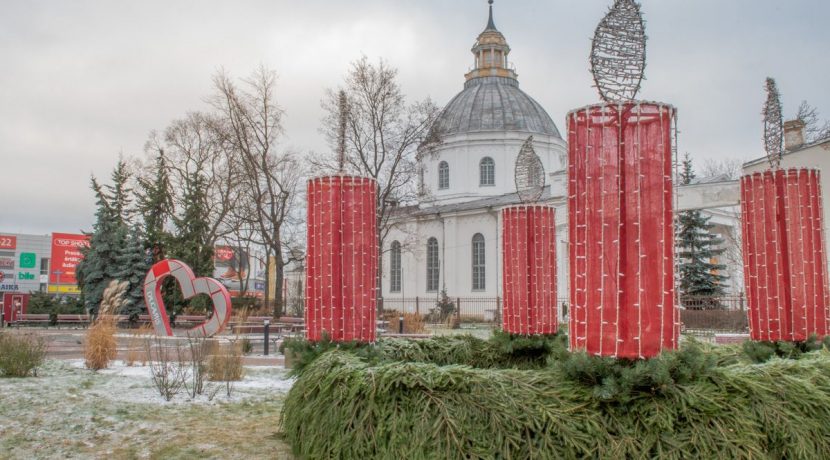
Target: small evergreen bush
{"x": 762, "y": 351}
{"x": 21, "y": 355}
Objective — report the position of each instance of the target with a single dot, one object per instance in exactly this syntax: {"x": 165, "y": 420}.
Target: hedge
{"x": 411, "y": 400}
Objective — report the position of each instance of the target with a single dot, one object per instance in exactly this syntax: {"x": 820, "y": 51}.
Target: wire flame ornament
{"x": 618, "y": 52}
{"x": 529, "y": 173}
{"x": 773, "y": 125}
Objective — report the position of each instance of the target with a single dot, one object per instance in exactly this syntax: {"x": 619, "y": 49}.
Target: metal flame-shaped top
{"x": 529, "y": 173}
{"x": 773, "y": 125}
{"x": 618, "y": 52}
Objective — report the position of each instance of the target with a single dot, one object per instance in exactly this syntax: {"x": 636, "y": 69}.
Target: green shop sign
{"x": 28, "y": 260}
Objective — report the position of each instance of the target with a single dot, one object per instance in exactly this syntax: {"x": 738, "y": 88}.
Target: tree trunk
{"x": 267, "y": 276}
{"x": 279, "y": 265}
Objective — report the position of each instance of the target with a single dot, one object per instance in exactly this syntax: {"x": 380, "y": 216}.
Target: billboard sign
{"x": 66, "y": 254}
{"x": 6, "y": 263}
{"x": 232, "y": 267}
{"x": 8, "y": 242}
{"x": 28, "y": 260}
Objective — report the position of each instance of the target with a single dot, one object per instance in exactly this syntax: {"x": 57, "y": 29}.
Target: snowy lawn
{"x": 70, "y": 412}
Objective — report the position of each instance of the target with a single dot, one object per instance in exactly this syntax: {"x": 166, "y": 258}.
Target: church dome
{"x": 492, "y": 100}
{"x": 494, "y": 104}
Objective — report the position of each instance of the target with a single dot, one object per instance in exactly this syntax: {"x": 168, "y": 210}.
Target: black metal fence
{"x": 715, "y": 314}
{"x": 483, "y": 310}
{"x": 728, "y": 303}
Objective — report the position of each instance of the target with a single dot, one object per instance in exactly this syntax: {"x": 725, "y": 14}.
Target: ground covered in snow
{"x": 70, "y": 412}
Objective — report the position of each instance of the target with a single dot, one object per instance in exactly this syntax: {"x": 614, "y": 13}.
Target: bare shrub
{"x": 239, "y": 320}
{"x": 199, "y": 349}
{"x": 225, "y": 364}
{"x": 166, "y": 367}
{"x": 413, "y": 323}
{"x": 135, "y": 349}
{"x": 21, "y": 355}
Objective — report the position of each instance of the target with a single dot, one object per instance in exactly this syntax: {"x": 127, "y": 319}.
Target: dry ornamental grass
{"x": 101, "y": 347}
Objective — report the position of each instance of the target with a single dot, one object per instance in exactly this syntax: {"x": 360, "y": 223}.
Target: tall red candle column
{"x": 785, "y": 266}
{"x": 620, "y": 230}
{"x": 529, "y": 274}
{"x": 342, "y": 259}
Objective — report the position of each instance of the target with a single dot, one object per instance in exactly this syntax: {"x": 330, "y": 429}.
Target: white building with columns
{"x": 451, "y": 239}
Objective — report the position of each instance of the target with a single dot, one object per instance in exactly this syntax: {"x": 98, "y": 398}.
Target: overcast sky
{"x": 84, "y": 81}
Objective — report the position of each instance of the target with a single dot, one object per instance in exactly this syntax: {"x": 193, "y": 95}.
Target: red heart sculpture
{"x": 190, "y": 286}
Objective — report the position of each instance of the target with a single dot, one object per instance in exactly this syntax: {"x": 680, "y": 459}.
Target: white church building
{"x": 451, "y": 239}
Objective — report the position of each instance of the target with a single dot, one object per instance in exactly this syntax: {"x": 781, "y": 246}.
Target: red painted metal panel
{"x": 620, "y": 230}
{"x": 341, "y": 259}
{"x": 529, "y": 274}
{"x": 785, "y": 265}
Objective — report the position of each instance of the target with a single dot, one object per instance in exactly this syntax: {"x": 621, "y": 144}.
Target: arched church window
{"x": 487, "y": 171}
{"x": 433, "y": 265}
{"x": 395, "y": 267}
{"x": 443, "y": 175}
{"x": 479, "y": 283}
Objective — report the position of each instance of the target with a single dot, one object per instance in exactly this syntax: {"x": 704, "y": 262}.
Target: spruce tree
{"x": 133, "y": 262}
{"x": 155, "y": 205}
{"x": 697, "y": 246}
{"x": 119, "y": 195}
{"x": 100, "y": 265}
{"x": 191, "y": 243}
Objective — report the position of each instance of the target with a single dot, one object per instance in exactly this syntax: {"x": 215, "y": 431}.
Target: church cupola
{"x": 490, "y": 51}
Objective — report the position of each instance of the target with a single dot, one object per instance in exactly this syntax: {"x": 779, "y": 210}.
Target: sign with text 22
{"x": 66, "y": 253}
{"x": 8, "y": 242}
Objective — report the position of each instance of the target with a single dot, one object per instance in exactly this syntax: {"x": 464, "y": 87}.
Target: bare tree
{"x": 382, "y": 137}
{"x": 730, "y": 168}
{"x": 193, "y": 146}
{"x": 249, "y": 126}
{"x": 814, "y": 129}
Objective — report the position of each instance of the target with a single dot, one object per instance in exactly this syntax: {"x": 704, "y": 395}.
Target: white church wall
{"x": 463, "y": 154}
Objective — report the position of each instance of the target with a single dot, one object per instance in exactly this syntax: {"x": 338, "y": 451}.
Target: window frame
{"x": 395, "y": 267}
{"x": 443, "y": 175}
{"x": 433, "y": 265}
{"x": 487, "y": 162}
{"x": 478, "y": 262}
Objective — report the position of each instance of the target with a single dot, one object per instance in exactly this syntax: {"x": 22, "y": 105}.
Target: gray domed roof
{"x": 494, "y": 104}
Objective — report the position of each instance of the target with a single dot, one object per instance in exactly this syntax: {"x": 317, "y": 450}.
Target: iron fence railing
{"x": 717, "y": 314}
{"x": 726, "y": 302}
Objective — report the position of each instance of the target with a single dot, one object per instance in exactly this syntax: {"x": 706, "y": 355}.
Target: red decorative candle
{"x": 342, "y": 259}
{"x": 529, "y": 275}
{"x": 785, "y": 264}
{"x": 620, "y": 229}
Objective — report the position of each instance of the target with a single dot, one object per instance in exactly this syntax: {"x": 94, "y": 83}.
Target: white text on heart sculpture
{"x": 190, "y": 286}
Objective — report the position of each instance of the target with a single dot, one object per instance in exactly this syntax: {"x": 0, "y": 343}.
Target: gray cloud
{"x": 83, "y": 81}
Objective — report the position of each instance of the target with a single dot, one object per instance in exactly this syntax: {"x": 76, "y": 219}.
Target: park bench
{"x": 289, "y": 325}
{"x": 41, "y": 319}
{"x": 250, "y": 325}
{"x": 72, "y": 320}
{"x": 189, "y": 320}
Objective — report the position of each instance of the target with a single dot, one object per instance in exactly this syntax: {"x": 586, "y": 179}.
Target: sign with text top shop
{"x": 66, "y": 254}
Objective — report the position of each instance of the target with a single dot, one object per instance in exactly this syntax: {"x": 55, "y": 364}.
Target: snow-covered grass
{"x": 70, "y": 412}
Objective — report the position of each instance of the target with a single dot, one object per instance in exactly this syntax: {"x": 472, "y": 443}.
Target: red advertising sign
{"x": 223, "y": 253}
{"x": 8, "y": 242}
{"x": 66, "y": 253}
